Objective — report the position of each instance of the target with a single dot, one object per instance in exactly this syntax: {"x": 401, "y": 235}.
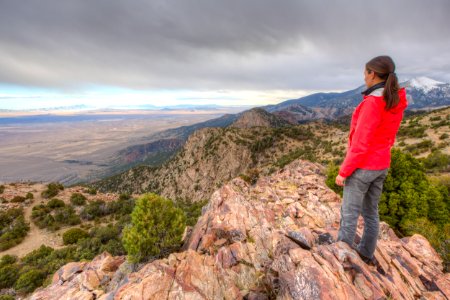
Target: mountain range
{"x": 423, "y": 93}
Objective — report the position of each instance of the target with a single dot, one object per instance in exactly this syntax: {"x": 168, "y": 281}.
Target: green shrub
{"x": 54, "y": 216}
{"x": 8, "y": 276}
{"x": 443, "y": 136}
{"x": 105, "y": 233}
{"x": 13, "y": 228}
{"x": 440, "y": 124}
{"x": 78, "y": 199}
{"x": 6, "y": 297}
{"x": 2, "y": 189}
{"x": 420, "y": 147}
{"x": 413, "y": 130}
{"x": 437, "y": 118}
{"x": 114, "y": 247}
{"x": 30, "y": 280}
{"x": 7, "y": 260}
{"x": 306, "y": 152}
{"x": 124, "y": 196}
{"x": 332, "y": 172}
{"x": 120, "y": 207}
{"x": 52, "y": 190}
{"x": 18, "y": 199}
{"x": 67, "y": 216}
{"x": 91, "y": 191}
{"x": 262, "y": 144}
{"x": 72, "y": 235}
{"x": 437, "y": 160}
{"x": 156, "y": 228}
{"x": 41, "y": 216}
{"x": 94, "y": 209}
{"x": 35, "y": 257}
{"x": 54, "y": 203}
{"x": 29, "y": 195}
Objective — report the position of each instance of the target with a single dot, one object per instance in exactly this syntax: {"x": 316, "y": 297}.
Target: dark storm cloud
{"x": 205, "y": 44}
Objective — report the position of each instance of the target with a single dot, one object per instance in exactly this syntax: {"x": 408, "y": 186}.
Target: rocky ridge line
{"x": 273, "y": 240}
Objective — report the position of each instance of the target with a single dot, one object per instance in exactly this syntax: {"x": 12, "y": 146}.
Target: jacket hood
{"x": 400, "y": 107}
{"x": 402, "y": 104}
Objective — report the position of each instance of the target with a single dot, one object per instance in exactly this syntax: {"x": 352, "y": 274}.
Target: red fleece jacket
{"x": 372, "y": 134}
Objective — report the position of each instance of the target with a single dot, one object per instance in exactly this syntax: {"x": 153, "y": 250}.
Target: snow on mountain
{"x": 424, "y": 83}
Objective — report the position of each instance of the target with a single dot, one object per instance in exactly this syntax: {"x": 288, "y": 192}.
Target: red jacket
{"x": 372, "y": 133}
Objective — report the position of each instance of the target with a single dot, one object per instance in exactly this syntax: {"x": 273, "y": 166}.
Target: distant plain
{"x": 71, "y": 147}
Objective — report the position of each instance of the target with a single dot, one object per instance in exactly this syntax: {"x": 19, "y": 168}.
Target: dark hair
{"x": 384, "y": 67}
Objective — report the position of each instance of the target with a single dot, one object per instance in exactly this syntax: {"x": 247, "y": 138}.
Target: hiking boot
{"x": 369, "y": 261}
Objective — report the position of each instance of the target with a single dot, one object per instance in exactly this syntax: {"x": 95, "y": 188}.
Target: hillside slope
{"x": 273, "y": 240}
{"x": 212, "y": 156}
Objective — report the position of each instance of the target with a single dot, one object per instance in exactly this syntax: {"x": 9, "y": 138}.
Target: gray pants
{"x": 362, "y": 192}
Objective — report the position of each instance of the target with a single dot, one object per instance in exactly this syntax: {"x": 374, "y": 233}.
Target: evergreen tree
{"x": 156, "y": 228}
{"x": 408, "y": 195}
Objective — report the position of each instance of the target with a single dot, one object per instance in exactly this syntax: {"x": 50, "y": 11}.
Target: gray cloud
{"x": 206, "y": 44}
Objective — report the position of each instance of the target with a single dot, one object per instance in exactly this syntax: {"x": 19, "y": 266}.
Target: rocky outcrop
{"x": 258, "y": 117}
{"x": 273, "y": 240}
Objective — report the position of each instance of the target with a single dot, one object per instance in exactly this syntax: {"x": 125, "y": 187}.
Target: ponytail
{"x": 390, "y": 92}
{"x": 384, "y": 67}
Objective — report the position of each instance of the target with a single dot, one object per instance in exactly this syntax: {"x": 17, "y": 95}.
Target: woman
{"x": 373, "y": 128}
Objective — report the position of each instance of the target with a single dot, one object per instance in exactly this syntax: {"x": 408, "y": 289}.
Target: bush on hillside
{"x": 55, "y": 203}
{"x": 48, "y": 261}
{"x": 156, "y": 228}
{"x": 440, "y": 124}
{"x": 29, "y": 195}
{"x": 121, "y": 207}
{"x": 13, "y": 228}
{"x": 8, "y": 276}
{"x": 72, "y": 236}
{"x": 408, "y": 194}
{"x": 91, "y": 191}
{"x": 7, "y": 260}
{"x": 54, "y": 215}
{"x": 30, "y": 280}
{"x": 105, "y": 233}
{"x": 67, "y": 216}
{"x": 413, "y": 130}
{"x": 420, "y": 147}
{"x": 437, "y": 161}
{"x": 94, "y": 209}
{"x": 443, "y": 136}
{"x": 78, "y": 199}
{"x": 332, "y": 172}
{"x": 18, "y": 199}
{"x": 52, "y": 190}
{"x": 306, "y": 152}
{"x": 2, "y": 189}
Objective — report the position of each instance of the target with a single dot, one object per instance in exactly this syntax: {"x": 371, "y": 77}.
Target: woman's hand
{"x": 340, "y": 180}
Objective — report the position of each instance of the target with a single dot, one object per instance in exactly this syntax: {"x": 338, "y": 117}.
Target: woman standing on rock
{"x": 373, "y": 129}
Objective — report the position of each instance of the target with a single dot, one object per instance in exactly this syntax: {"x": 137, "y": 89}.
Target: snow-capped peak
{"x": 424, "y": 83}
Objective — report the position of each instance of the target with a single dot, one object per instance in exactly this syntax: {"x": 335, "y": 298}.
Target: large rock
{"x": 81, "y": 280}
{"x": 252, "y": 242}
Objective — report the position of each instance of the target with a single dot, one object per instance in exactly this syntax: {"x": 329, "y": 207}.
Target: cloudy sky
{"x": 230, "y": 52}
